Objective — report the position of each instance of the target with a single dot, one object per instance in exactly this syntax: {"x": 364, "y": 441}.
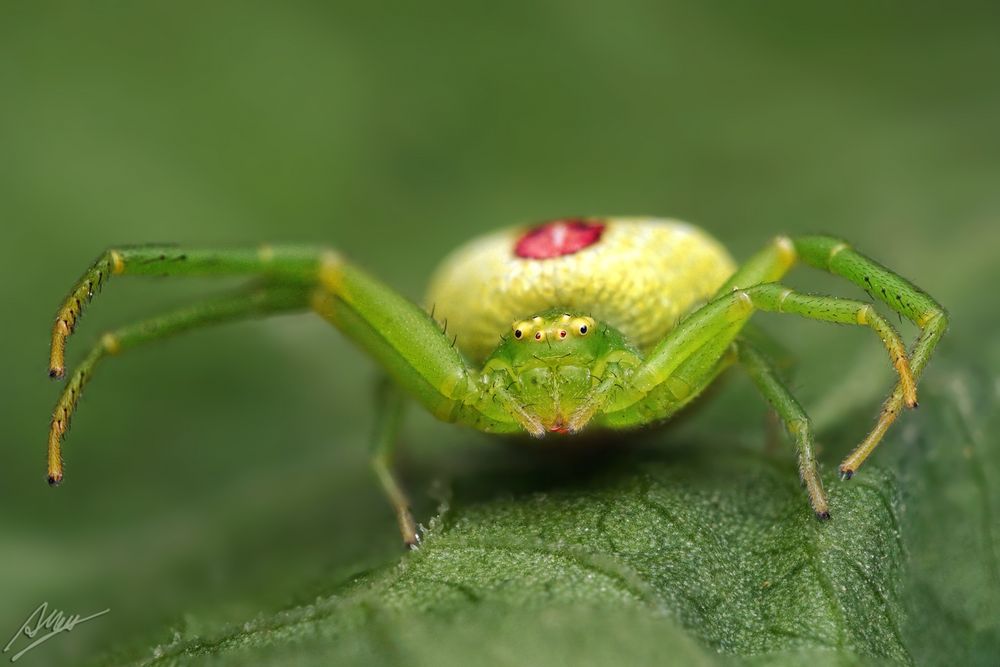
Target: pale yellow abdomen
{"x": 640, "y": 277}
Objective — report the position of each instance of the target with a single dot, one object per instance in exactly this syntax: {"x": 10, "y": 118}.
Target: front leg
{"x": 690, "y": 356}
{"x": 399, "y": 335}
{"x": 396, "y": 332}
{"x": 258, "y": 302}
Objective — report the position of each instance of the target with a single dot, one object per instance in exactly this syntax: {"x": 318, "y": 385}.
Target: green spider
{"x": 602, "y": 323}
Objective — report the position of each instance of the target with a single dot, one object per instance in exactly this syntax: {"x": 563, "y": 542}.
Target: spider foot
{"x": 414, "y": 541}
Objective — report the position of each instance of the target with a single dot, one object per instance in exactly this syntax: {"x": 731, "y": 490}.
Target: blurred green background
{"x": 224, "y": 472}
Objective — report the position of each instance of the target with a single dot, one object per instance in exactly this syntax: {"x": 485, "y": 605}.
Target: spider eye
{"x": 522, "y": 329}
{"x": 562, "y": 333}
{"x": 538, "y": 335}
{"x": 582, "y": 325}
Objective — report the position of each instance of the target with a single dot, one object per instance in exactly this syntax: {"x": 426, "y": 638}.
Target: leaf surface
{"x": 699, "y": 553}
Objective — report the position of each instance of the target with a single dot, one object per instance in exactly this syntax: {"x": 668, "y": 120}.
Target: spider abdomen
{"x": 637, "y": 274}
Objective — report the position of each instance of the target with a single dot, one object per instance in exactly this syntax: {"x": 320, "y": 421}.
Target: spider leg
{"x": 767, "y": 266}
{"x": 784, "y": 364}
{"x": 680, "y": 366}
{"x": 294, "y": 267}
{"x": 255, "y": 303}
{"x": 687, "y": 359}
{"x": 390, "y": 403}
{"x": 833, "y": 255}
{"x": 774, "y": 297}
{"x": 399, "y": 335}
{"x": 393, "y": 330}
{"x": 794, "y": 417}
{"x": 837, "y": 257}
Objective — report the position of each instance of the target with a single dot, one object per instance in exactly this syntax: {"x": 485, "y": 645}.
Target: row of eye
{"x": 580, "y": 326}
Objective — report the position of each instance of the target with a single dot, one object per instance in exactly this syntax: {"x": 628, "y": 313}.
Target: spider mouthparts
{"x": 559, "y": 426}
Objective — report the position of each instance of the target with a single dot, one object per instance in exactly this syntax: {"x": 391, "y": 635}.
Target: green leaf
{"x": 952, "y": 473}
{"x": 696, "y": 554}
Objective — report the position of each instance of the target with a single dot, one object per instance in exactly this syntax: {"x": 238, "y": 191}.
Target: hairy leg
{"x": 401, "y": 337}
{"x": 253, "y": 303}
{"x": 683, "y": 359}
{"x": 836, "y": 256}
{"x": 777, "y": 298}
{"x": 794, "y": 417}
{"x": 398, "y": 334}
{"x": 293, "y": 266}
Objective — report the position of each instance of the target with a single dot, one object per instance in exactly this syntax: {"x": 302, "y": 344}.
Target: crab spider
{"x": 612, "y": 323}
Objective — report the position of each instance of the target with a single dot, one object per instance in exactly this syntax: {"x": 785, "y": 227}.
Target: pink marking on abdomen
{"x": 558, "y": 238}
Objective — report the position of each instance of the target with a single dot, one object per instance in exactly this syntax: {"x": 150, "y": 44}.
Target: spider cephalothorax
{"x": 609, "y": 322}
{"x": 550, "y": 368}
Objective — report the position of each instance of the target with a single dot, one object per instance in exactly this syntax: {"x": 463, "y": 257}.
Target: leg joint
{"x": 744, "y": 300}
{"x": 836, "y": 250}
{"x": 931, "y": 317}
{"x": 265, "y": 254}
{"x": 380, "y": 461}
{"x": 110, "y": 343}
{"x": 799, "y": 426}
{"x": 117, "y": 262}
{"x": 786, "y": 250}
{"x": 330, "y": 271}
{"x": 785, "y": 293}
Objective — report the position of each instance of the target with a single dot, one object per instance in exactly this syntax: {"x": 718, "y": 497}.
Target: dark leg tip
{"x": 823, "y": 516}
{"x": 846, "y": 474}
{"x": 54, "y": 480}
{"x": 57, "y": 373}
